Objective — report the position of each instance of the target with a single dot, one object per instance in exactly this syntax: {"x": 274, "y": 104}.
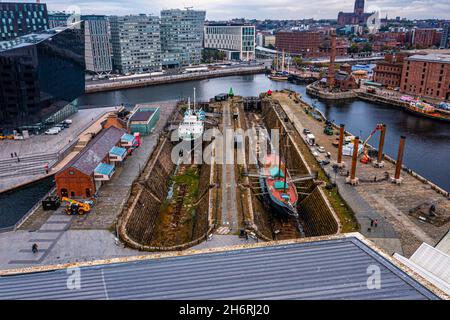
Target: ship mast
{"x": 285, "y": 167}
{"x": 194, "y": 99}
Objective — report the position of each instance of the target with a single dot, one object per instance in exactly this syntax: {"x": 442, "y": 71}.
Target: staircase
{"x": 28, "y": 165}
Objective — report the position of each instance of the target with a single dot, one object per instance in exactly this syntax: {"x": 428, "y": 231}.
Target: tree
{"x": 367, "y": 47}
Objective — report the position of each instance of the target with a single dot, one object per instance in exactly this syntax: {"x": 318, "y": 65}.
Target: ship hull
{"x": 427, "y": 116}
{"x": 278, "y": 207}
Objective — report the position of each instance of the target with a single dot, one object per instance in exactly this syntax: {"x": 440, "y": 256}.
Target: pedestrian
{"x": 12, "y": 156}
{"x": 371, "y": 222}
{"x": 246, "y": 236}
{"x": 34, "y": 248}
{"x": 375, "y": 179}
{"x": 376, "y": 223}
{"x": 15, "y": 154}
{"x": 18, "y": 159}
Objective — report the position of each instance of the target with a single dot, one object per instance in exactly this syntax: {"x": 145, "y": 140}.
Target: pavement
{"x": 84, "y": 120}
{"x": 382, "y": 200}
{"x": 66, "y": 239}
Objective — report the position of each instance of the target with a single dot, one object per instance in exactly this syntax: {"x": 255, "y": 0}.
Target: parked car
{"x": 324, "y": 162}
{"x": 52, "y": 131}
{"x": 68, "y": 121}
{"x": 321, "y": 149}
{"x": 306, "y": 131}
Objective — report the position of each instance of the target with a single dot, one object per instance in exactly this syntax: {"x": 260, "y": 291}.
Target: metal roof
{"x": 431, "y": 57}
{"x": 118, "y": 151}
{"x": 330, "y": 269}
{"x": 104, "y": 168}
{"x": 96, "y": 150}
{"x": 142, "y": 115}
{"x": 128, "y": 137}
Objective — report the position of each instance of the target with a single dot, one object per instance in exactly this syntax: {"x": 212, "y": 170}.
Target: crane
{"x": 366, "y": 158}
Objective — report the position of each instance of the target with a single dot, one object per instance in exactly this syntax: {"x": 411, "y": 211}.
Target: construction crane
{"x": 76, "y": 207}
{"x": 365, "y": 157}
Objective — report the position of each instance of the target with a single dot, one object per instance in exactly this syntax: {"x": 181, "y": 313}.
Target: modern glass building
{"x": 136, "y": 43}
{"x": 181, "y": 37}
{"x": 41, "y": 77}
{"x": 237, "y": 41}
{"x": 97, "y": 37}
{"x": 17, "y": 19}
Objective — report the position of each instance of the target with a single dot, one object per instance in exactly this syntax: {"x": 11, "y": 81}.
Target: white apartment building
{"x": 237, "y": 41}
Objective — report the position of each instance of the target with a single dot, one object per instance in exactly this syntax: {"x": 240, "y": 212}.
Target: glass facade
{"x": 17, "y": 19}
{"x": 41, "y": 76}
{"x": 136, "y": 43}
{"x": 182, "y": 36}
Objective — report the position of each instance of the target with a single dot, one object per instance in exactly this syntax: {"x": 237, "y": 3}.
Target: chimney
{"x": 330, "y": 77}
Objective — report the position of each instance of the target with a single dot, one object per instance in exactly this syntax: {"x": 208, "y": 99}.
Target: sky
{"x": 258, "y": 9}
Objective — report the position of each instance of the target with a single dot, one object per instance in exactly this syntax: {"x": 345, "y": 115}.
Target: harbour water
{"x": 427, "y": 145}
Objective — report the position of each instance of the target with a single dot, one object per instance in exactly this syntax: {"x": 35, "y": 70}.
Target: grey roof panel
{"x": 333, "y": 269}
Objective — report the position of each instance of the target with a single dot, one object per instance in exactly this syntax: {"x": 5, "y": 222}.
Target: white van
{"x": 52, "y": 131}
{"x": 311, "y": 139}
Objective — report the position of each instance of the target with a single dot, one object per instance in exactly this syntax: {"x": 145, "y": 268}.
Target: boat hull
{"x": 279, "y": 207}
{"x": 427, "y": 116}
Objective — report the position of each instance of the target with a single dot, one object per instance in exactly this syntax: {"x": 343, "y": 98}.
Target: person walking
{"x": 375, "y": 223}
{"x": 12, "y": 155}
{"x": 371, "y": 222}
{"x": 15, "y": 154}
{"x": 34, "y": 248}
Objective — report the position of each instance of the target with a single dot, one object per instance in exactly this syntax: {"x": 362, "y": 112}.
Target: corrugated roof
{"x": 127, "y": 137}
{"x": 330, "y": 269}
{"x": 444, "y": 244}
{"x": 433, "y": 260}
{"x": 118, "y": 151}
{"x": 104, "y": 168}
{"x": 96, "y": 150}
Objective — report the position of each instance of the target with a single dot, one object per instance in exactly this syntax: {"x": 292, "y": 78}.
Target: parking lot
{"x": 38, "y": 144}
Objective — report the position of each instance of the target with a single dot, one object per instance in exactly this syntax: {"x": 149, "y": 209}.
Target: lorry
{"x": 311, "y": 139}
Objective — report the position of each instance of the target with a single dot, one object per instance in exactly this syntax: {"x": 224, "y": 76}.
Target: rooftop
{"x": 31, "y": 39}
{"x": 432, "y": 57}
{"x": 142, "y": 115}
{"x": 97, "y": 149}
{"x": 332, "y": 268}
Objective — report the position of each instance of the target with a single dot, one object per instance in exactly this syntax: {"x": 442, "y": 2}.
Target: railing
{"x": 28, "y": 214}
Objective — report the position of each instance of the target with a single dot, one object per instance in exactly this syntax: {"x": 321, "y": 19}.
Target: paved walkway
{"x": 229, "y": 208}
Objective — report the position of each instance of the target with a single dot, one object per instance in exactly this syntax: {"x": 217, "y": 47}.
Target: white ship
{"x": 192, "y": 126}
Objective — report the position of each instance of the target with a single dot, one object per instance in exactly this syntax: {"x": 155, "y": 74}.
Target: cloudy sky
{"x": 260, "y": 9}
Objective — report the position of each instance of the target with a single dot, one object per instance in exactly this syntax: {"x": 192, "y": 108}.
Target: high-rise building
{"x": 182, "y": 36}
{"x": 41, "y": 77}
{"x": 237, "y": 41}
{"x": 18, "y": 19}
{"x": 423, "y": 38}
{"x": 97, "y": 37}
{"x": 427, "y": 76}
{"x": 305, "y": 43}
{"x": 136, "y": 43}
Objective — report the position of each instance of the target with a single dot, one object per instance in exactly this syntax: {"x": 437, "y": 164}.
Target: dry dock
{"x": 388, "y": 203}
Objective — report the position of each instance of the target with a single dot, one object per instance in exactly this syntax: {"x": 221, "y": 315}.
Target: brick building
{"x": 389, "y": 71}
{"x": 303, "y": 43}
{"x": 427, "y": 76}
{"x": 83, "y": 175}
{"x": 426, "y": 38}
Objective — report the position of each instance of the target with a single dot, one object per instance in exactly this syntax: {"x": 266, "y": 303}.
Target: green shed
{"x": 144, "y": 120}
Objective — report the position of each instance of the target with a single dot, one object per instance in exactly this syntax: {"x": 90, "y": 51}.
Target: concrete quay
{"x": 144, "y": 82}
{"x": 35, "y": 153}
{"x": 382, "y": 200}
{"x": 69, "y": 239}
